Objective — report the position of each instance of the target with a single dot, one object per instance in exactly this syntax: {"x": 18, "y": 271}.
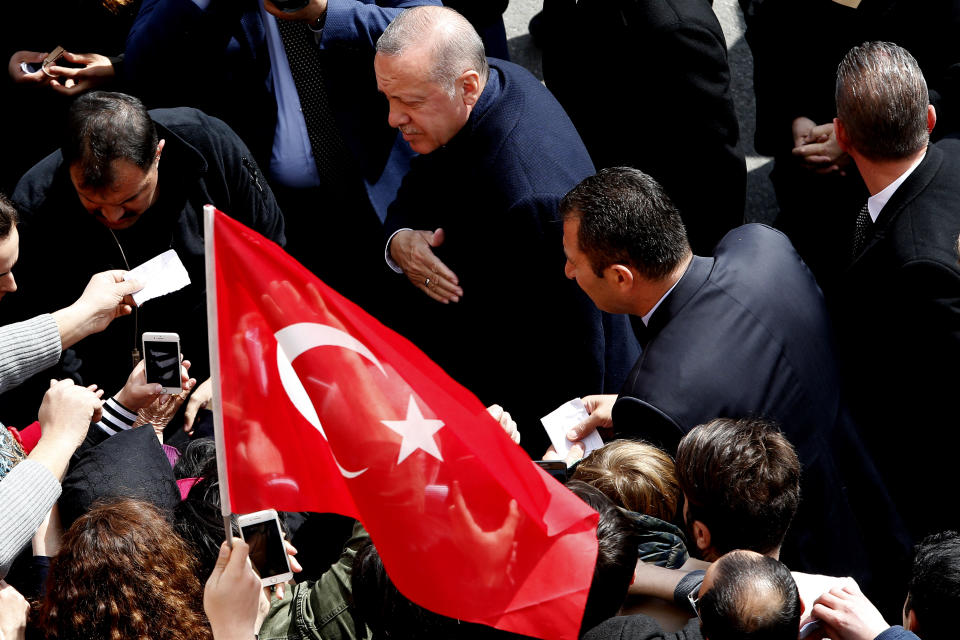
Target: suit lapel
{"x": 691, "y": 281}
{"x": 910, "y": 189}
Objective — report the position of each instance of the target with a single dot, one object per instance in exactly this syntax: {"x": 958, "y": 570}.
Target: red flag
{"x": 325, "y": 409}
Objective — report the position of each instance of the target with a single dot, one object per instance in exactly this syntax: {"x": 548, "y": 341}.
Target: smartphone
{"x": 289, "y": 6}
{"x": 162, "y": 354}
{"x": 556, "y": 468}
{"x": 261, "y": 530}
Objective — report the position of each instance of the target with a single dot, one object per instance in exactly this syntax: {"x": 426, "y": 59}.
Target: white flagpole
{"x": 213, "y": 345}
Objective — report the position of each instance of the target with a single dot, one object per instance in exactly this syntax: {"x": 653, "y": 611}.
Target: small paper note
{"x": 558, "y": 423}
{"x": 159, "y": 276}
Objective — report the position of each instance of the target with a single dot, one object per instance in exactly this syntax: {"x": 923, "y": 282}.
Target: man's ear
{"x": 910, "y": 621}
{"x": 931, "y": 118}
{"x": 160, "y": 146}
{"x": 843, "y": 140}
{"x": 701, "y": 535}
{"x": 620, "y": 275}
{"x": 470, "y": 81}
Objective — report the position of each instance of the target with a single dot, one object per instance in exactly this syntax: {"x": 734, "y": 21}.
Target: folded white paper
{"x": 558, "y": 423}
{"x": 159, "y": 276}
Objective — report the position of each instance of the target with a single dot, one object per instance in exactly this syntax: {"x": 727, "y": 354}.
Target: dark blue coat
{"x": 523, "y": 334}
{"x": 746, "y": 333}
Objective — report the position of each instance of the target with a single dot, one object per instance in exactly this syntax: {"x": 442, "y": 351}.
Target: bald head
{"x": 455, "y": 46}
{"x": 748, "y": 595}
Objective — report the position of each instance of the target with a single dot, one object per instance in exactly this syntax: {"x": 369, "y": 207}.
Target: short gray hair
{"x": 456, "y": 46}
{"x": 882, "y": 101}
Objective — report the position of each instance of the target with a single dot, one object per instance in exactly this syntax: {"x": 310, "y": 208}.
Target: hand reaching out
{"x": 413, "y": 251}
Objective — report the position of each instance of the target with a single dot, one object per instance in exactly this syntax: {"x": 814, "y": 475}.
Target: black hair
{"x": 196, "y": 459}
{"x": 934, "y": 587}
{"x": 753, "y": 597}
{"x": 197, "y": 519}
{"x": 741, "y": 479}
{"x": 102, "y": 127}
{"x": 627, "y": 218}
{"x": 8, "y": 217}
{"x": 617, "y": 543}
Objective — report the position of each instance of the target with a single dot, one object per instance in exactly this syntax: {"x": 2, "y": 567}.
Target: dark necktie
{"x": 307, "y": 68}
{"x": 862, "y": 231}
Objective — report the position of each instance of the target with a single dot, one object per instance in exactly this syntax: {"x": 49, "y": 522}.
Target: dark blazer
{"x": 898, "y": 317}
{"x": 747, "y": 333}
{"x": 62, "y": 245}
{"x": 522, "y": 335}
{"x": 217, "y": 60}
{"x": 646, "y": 83}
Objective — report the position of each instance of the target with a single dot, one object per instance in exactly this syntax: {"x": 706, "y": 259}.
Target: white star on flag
{"x": 416, "y": 431}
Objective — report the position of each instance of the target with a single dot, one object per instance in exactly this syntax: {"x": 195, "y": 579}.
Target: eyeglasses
{"x": 695, "y": 603}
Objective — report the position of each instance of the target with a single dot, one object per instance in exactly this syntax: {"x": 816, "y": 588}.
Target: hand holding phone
{"x": 261, "y": 530}
{"x": 161, "y": 352}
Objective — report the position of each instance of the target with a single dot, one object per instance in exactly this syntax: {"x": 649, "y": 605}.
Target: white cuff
{"x": 386, "y": 251}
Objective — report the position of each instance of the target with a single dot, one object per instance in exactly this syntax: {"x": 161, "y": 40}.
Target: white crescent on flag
{"x": 294, "y": 340}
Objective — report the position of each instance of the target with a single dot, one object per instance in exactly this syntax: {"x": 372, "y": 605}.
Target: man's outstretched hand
{"x": 413, "y": 252}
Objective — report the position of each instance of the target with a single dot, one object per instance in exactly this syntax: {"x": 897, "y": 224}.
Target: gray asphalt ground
{"x": 761, "y": 204}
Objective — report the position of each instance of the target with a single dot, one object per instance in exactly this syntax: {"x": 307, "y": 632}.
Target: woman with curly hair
{"x": 122, "y": 574}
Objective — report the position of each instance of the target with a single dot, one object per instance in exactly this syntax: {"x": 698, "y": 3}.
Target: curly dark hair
{"x": 123, "y": 574}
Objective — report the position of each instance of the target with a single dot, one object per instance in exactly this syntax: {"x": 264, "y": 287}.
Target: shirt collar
{"x": 646, "y": 318}
{"x": 875, "y": 203}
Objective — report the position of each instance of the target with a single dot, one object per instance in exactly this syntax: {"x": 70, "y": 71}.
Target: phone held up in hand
{"x": 261, "y": 530}
{"x": 162, "y": 354}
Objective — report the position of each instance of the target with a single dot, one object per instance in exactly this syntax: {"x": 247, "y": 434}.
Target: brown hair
{"x": 741, "y": 479}
{"x": 123, "y": 574}
{"x": 635, "y": 475}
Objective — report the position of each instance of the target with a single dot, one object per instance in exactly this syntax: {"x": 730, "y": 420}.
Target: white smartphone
{"x": 161, "y": 351}
{"x": 261, "y": 530}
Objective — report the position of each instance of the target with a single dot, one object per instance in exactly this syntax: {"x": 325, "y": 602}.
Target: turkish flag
{"x": 325, "y": 409}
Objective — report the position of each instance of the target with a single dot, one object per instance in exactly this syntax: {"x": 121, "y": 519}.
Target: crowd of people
{"x": 776, "y": 400}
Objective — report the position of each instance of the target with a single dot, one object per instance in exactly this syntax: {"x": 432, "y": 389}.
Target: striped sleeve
{"x": 27, "y": 348}
{"x": 116, "y": 417}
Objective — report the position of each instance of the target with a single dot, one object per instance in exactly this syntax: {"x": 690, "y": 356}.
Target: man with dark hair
{"x": 741, "y": 484}
{"x": 747, "y": 595}
{"x": 743, "y": 595}
{"x": 934, "y": 588}
{"x": 100, "y": 204}
{"x": 743, "y": 333}
{"x": 497, "y": 153}
{"x": 295, "y": 80}
{"x": 932, "y": 594}
{"x": 903, "y": 286}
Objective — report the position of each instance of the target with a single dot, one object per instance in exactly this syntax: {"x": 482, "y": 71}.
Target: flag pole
{"x": 213, "y": 344}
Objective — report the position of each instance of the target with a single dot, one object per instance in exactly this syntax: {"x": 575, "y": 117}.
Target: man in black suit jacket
{"x": 475, "y": 227}
{"x": 681, "y": 128}
{"x": 744, "y": 333}
{"x": 898, "y": 312}
{"x": 818, "y": 188}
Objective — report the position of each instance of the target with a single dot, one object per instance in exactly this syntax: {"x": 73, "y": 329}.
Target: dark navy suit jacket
{"x": 746, "y": 333}
{"x": 522, "y": 335}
